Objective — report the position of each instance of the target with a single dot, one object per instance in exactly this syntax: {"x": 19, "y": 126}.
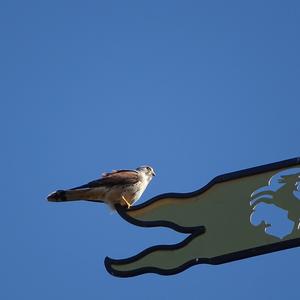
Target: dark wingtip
{"x": 57, "y": 196}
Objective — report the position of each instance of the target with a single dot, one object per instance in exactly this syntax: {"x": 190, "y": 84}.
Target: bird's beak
{"x": 153, "y": 173}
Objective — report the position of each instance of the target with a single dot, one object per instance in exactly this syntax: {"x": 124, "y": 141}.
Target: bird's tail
{"x": 67, "y": 195}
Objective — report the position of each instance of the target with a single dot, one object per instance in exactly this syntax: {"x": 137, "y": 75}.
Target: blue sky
{"x": 193, "y": 88}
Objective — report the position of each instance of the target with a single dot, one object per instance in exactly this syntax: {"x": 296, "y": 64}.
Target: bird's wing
{"x": 116, "y": 177}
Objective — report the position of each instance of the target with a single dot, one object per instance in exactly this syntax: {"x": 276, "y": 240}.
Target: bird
{"x": 122, "y": 187}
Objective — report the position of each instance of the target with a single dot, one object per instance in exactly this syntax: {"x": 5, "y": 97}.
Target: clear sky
{"x": 194, "y": 88}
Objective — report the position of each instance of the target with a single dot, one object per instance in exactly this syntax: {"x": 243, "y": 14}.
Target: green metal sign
{"x": 235, "y": 216}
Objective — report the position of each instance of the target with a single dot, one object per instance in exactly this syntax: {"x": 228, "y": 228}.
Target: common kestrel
{"x": 123, "y": 187}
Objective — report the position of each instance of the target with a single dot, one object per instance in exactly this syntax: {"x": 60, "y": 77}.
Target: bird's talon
{"x": 128, "y": 204}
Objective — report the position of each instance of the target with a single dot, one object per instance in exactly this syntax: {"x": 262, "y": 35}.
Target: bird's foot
{"x": 128, "y": 204}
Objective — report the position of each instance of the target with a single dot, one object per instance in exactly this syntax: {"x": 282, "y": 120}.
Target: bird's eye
{"x": 148, "y": 168}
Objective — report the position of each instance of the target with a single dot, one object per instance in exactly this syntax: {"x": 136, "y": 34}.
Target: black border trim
{"x": 108, "y": 261}
{"x": 212, "y": 261}
{"x": 196, "y": 231}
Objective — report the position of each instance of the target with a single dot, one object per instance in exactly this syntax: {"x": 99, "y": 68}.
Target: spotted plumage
{"x": 123, "y": 187}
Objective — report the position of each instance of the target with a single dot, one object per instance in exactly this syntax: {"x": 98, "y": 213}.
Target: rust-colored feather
{"x": 116, "y": 177}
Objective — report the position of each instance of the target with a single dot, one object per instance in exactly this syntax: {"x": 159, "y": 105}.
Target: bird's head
{"x": 147, "y": 170}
